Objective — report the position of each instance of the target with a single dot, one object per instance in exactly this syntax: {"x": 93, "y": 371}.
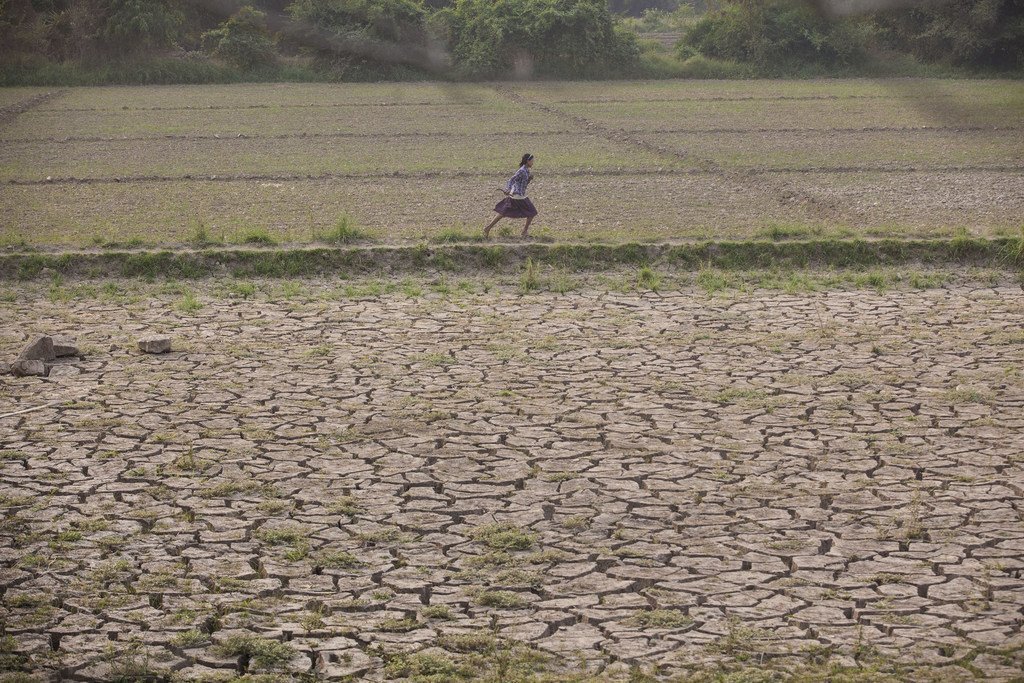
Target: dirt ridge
{"x": 544, "y": 133}
{"x": 478, "y": 173}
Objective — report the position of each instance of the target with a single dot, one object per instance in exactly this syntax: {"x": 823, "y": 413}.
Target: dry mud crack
{"x": 670, "y": 480}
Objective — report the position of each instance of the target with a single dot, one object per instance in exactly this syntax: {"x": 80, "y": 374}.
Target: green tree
{"x": 354, "y": 28}
{"x": 777, "y": 34}
{"x": 979, "y": 33}
{"x": 242, "y": 40}
{"x": 138, "y": 25}
{"x": 543, "y": 37}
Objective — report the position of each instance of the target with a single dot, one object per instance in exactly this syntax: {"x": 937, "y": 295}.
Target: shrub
{"x": 362, "y": 31}
{"x": 242, "y": 40}
{"x": 979, "y": 33}
{"x": 536, "y": 37}
{"x": 777, "y": 34}
{"x": 138, "y": 25}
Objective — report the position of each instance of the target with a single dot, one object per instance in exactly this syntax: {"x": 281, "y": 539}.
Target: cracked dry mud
{"x": 670, "y": 480}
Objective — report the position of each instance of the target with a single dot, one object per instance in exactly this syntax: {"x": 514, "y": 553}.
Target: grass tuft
{"x": 661, "y": 618}
{"x": 257, "y": 236}
{"x": 504, "y": 536}
{"x": 345, "y": 231}
{"x": 262, "y": 652}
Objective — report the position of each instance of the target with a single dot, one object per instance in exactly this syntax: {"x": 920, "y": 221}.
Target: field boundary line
{"x": 242, "y": 107}
{"x": 745, "y": 174}
{"x": 13, "y": 111}
{"x": 312, "y": 260}
{"x": 229, "y": 136}
{"x": 430, "y": 103}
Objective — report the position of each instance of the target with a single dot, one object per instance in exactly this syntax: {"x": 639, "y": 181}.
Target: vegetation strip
{"x": 1007, "y": 253}
{"x": 227, "y": 136}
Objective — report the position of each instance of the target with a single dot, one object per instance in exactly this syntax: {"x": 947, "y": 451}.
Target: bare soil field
{"x": 459, "y": 480}
{"x": 617, "y": 162}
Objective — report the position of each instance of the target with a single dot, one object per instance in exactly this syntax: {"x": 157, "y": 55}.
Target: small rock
{"x": 155, "y": 344}
{"x": 5, "y": 368}
{"x": 29, "y": 368}
{"x": 40, "y": 348}
{"x": 62, "y": 346}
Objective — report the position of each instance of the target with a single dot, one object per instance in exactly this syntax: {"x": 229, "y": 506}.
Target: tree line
{"x": 494, "y": 38}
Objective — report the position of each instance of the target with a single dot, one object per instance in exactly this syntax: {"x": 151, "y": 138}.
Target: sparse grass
{"x": 200, "y": 235}
{"x": 439, "y": 612}
{"x": 576, "y": 522}
{"x": 530, "y": 281}
{"x": 883, "y": 579}
{"x": 426, "y": 667}
{"x": 648, "y": 278}
{"x": 960, "y": 395}
{"x": 191, "y": 638}
{"x": 228, "y": 489}
{"x": 399, "y": 625}
{"x": 504, "y": 536}
{"x": 280, "y": 536}
{"x": 345, "y": 505}
{"x": 661, "y": 618}
{"x": 337, "y": 559}
{"x": 741, "y": 396}
{"x": 263, "y": 653}
{"x": 386, "y": 535}
{"x": 436, "y": 360}
{"x": 189, "y": 303}
{"x": 500, "y": 599}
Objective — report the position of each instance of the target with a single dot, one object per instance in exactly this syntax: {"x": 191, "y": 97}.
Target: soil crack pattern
{"x": 320, "y": 482}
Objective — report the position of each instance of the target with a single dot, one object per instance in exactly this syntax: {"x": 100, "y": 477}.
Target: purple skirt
{"x": 516, "y": 208}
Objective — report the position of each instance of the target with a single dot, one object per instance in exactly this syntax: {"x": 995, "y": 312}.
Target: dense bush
{"x": 139, "y": 25}
{"x": 86, "y": 29}
{"x": 242, "y": 40}
{"x": 385, "y": 30}
{"x": 978, "y": 33}
{"x": 536, "y": 37}
{"x": 777, "y": 34}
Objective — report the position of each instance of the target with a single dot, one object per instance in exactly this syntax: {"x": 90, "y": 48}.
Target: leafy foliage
{"x": 543, "y": 37}
{"x": 776, "y": 33}
{"x": 140, "y": 24}
{"x": 359, "y": 29}
{"x": 242, "y": 40}
{"x": 980, "y": 33}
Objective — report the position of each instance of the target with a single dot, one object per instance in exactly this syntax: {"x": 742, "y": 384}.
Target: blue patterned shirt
{"x": 517, "y": 184}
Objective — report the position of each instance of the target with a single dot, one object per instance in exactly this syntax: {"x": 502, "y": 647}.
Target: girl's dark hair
{"x": 526, "y": 157}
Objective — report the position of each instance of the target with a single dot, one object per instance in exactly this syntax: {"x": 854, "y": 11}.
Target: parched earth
{"x": 511, "y": 485}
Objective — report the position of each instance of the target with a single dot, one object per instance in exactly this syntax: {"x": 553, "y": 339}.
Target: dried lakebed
{"x": 402, "y": 486}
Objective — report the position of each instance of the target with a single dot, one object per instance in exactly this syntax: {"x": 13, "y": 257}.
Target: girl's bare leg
{"x": 487, "y": 230}
{"x": 526, "y": 228}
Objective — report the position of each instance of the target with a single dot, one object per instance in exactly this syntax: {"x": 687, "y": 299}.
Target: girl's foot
{"x": 525, "y": 235}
